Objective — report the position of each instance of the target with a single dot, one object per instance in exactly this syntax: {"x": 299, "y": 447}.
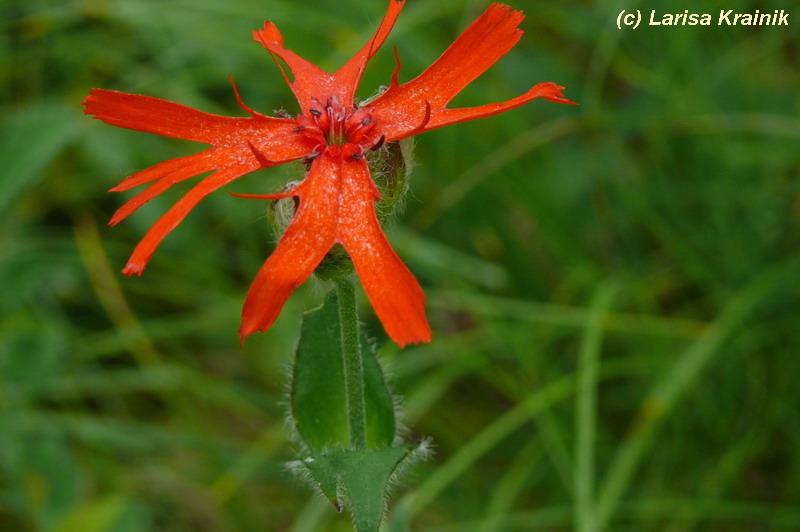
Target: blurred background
{"x": 614, "y": 288}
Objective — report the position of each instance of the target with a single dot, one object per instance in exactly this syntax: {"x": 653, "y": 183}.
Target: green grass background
{"x": 614, "y": 288}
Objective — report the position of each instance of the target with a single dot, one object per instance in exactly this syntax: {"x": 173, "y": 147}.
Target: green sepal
{"x": 319, "y": 407}
{"x": 361, "y": 476}
{"x": 336, "y": 265}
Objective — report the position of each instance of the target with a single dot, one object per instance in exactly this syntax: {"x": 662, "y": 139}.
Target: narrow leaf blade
{"x": 319, "y": 405}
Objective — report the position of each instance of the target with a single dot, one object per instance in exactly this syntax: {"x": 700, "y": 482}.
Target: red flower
{"x": 336, "y": 199}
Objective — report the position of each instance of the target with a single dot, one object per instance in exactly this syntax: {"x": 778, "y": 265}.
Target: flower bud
{"x": 391, "y": 167}
{"x": 281, "y": 211}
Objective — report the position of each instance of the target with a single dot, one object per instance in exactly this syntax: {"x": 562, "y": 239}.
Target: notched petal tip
{"x": 102, "y": 104}
{"x": 423, "y": 337}
{"x": 93, "y": 93}
{"x": 242, "y": 336}
{"x": 85, "y": 103}
{"x": 90, "y": 102}
{"x": 552, "y": 92}
{"x": 244, "y": 332}
{"x": 246, "y": 329}
{"x": 268, "y": 35}
{"x": 496, "y": 7}
{"x": 133, "y": 268}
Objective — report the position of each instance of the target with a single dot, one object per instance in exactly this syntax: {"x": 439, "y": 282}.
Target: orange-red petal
{"x": 165, "y": 176}
{"x": 309, "y": 81}
{"x": 237, "y": 164}
{"x": 159, "y": 171}
{"x": 231, "y": 162}
{"x": 349, "y": 75}
{"x": 301, "y": 248}
{"x": 391, "y": 288}
{"x": 421, "y": 104}
{"x": 548, "y": 90}
{"x": 162, "y": 117}
{"x": 337, "y": 205}
{"x": 240, "y": 145}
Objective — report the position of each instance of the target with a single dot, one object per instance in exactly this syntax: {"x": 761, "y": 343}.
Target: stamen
{"x": 336, "y": 124}
{"x": 378, "y": 144}
{"x": 318, "y": 149}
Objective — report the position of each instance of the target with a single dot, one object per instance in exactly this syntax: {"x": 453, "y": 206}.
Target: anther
{"x": 379, "y": 143}
{"x": 315, "y": 112}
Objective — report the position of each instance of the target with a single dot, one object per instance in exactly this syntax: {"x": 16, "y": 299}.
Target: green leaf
{"x": 318, "y": 392}
{"x": 362, "y": 476}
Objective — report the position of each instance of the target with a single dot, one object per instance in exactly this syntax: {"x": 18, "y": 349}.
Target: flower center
{"x": 337, "y": 124}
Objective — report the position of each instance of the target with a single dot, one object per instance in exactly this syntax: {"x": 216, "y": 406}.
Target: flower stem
{"x": 353, "y": 363}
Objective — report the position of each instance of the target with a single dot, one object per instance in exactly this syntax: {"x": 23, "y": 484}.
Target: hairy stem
{"x": 353, "y": 363}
